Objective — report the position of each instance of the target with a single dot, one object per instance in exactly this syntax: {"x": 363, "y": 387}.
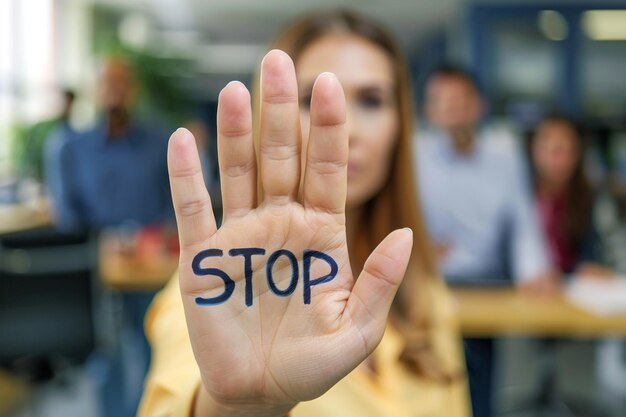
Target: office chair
{"x": 46, "y": 300}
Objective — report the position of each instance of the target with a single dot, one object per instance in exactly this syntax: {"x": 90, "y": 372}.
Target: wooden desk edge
{"x": 570, "y": 322}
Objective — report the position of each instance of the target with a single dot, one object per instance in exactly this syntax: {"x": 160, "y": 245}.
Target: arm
{"x": 205, "y": 406}
{"x": 262, "y": 350}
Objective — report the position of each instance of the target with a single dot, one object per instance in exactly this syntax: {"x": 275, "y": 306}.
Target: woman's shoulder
{"x": 440, "y": 295}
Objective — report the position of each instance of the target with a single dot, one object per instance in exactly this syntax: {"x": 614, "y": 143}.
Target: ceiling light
{"x": 605, "y": 25}
{"x": 553, "y": 25}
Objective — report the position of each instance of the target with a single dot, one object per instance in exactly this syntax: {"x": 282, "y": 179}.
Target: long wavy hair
{"x": 396, "y": 204}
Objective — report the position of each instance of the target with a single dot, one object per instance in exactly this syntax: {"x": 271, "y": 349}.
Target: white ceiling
{"x": 227, "y": 37}
{"x": 255, "y": 21}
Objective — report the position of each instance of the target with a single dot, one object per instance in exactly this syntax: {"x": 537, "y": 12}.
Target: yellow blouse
{"x": 392, "y": 392}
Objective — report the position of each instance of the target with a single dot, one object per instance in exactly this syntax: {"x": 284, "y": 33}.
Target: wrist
{"x": 206, "y": 406}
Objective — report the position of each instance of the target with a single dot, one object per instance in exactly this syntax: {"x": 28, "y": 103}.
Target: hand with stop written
{"x": 260, "y": 343}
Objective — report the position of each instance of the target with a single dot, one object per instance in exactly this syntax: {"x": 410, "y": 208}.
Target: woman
{"x": 257, "y": 354}
{"x": 564, "y": 197}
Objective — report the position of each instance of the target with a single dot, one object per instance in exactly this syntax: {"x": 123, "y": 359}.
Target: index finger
{"x": 192, "y": 203}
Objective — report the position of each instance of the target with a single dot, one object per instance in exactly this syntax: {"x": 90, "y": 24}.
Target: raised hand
{"x": 261, "y": 345}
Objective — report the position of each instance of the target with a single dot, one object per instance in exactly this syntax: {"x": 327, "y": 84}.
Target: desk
{"x": 17, "y": 217}
{"x": 482, "y": 312}
{"x": 506, "y": 312}
{"x": 130, "y": 272}
{"x": 137, "y": 260}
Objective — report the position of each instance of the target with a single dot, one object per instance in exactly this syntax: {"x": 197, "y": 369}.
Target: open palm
{"x": 275, "y": 341}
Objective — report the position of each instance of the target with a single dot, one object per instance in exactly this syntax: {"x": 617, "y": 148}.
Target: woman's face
{"x": 366, "y": 74}
{"x": 555, "y": 153}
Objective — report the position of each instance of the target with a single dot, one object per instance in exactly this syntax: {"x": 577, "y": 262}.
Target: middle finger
{"x": 280, "y": 129}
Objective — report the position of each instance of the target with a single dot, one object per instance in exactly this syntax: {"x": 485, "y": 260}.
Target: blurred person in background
{"x": 477, "y": 206}
{"x": 114, "y": 175}
{"x": 114, "y": 172}
{"x": 30, "y": 146}
{"x": 564, "y": 197}
{"x": 564, "y": 201}
{"x": 417, "y": 370}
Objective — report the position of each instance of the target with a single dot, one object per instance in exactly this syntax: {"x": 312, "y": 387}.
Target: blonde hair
{"x": 396, "y": 204}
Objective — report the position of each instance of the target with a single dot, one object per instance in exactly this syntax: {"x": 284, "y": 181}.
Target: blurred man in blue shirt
{"x": 110, "y": 175}
{"x": 115, "y": 172}
{"x": 477, "y": 206}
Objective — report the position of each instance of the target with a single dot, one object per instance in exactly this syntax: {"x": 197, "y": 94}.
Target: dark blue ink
{"x": 307, "y": 282}
{"x": 229, "y": 284}
{"x": 294, "y": 272}
{"x": 247, "y": 254}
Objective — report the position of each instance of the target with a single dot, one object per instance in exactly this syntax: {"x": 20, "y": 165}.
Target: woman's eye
{"x": 371, "y": 102}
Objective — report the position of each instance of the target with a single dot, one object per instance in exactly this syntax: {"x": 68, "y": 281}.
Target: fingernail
{"x": 408, "y": 229}
{"x": 183, "y": 132}
{"x": 331, "y": 79}
{"x": 234, "y": 82}
{"x": 327, "y": 74}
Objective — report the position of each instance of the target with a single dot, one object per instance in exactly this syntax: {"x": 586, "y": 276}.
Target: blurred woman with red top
{"x": 564, "y": 197}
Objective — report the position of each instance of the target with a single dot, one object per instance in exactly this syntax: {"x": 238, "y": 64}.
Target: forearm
{"x": 205, "y": 406}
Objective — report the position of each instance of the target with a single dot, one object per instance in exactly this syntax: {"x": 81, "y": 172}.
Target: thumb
{"x": 369, "y": 303}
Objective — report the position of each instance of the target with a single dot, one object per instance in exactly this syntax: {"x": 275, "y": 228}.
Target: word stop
{"x": 247, "y": 254}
